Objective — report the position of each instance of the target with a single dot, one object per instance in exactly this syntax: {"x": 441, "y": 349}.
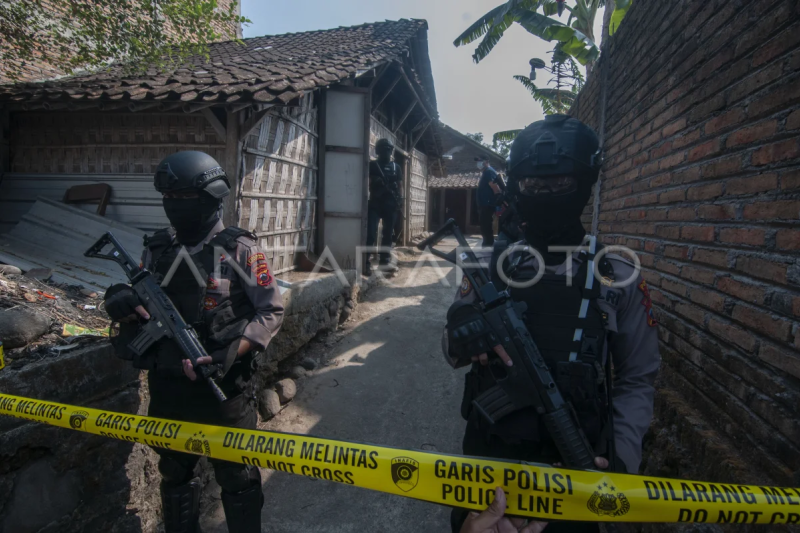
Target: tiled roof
{"x": 455, "y": 181}
{"x": 276, "y": 69}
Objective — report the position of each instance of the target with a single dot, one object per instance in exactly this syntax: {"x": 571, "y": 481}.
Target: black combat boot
{"x": 181, "y": 507}
{"x": 243, "y": 510}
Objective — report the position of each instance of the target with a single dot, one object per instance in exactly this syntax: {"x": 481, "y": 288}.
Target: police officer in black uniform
{"x": 220, "y": 282}
{"x": 385, "y": 201}
{"x": 579, "y": 327}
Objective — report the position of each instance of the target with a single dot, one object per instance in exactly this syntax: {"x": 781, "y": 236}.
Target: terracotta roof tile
{"x": 455, "y": 181}
{"x": 289, "y": 63}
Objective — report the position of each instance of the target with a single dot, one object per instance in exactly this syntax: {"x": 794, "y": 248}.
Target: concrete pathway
{"x": 384, "y": 382}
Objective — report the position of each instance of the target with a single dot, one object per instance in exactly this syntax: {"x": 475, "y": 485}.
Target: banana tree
{"x": 567, "y": 80}
{"x": 577, "y": 35}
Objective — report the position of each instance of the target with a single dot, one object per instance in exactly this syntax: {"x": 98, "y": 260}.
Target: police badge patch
{"x": 255, "y": 258}
{"x": 648, "y": 304}
{"x": 264, "y": 279}
{"x": 466, "y": 286}
{"x": 209, "y": 303}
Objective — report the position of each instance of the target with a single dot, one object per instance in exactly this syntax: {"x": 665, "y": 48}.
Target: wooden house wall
{"x": 52, "y": 151}
{"x": 278, "y": 196}
{"x": 379, "y": 131}
{"x": 418, "y": 193}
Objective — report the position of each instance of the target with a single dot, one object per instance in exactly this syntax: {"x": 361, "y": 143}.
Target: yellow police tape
{"x": 535, "y": 491}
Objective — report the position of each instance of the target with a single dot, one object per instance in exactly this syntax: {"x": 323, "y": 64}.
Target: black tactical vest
{"x": 569, "y": 328}
{"x": 384, "y": 183}
{"x": 208, "y": 293}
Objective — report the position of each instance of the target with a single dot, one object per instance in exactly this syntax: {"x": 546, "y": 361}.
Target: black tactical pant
{"x": 178, "y": 398}
{"x": 486, "y": 219}
{"x": 386, "y": 212}
{"x": 478, "y": 443}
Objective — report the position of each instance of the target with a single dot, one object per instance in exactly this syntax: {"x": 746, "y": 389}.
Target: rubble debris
{"x": 308, "y": 363}
{"x": 269, "y": 404}
{"x": 10, "y": 270}
{"x": 71, "y": 330}
{"x": 297, "y": 372}
{"x": 20, "y": 326}
{"x": 286, "y": 389}
{"x": 39, "y": 273}
{"x": 89, "y": 293}
{"x": 58, "y": 304}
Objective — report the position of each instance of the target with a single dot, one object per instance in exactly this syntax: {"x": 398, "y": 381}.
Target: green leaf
{"x": 538, "y": 24}
{"x": 574, "y": 43}
{"x": 620, "y": 10}
{"x": 505, "y": 136}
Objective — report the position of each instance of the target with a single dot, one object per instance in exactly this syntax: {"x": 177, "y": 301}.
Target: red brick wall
{"x": 702, "y": 179}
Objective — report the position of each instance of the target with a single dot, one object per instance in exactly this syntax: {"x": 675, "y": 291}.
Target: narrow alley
{"x": 382, "y": 381}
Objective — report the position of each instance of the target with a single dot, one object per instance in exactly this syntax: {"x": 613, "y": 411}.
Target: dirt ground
{"x": 381, "y": 380}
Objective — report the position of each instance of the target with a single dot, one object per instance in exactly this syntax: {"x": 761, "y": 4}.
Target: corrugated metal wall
{"x": 418, "y": 193}
{"x": 278, "y": 196}
{"x": 52, "y": 151}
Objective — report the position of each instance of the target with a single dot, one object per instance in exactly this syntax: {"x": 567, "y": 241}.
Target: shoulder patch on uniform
{"x": 466, "y": 286}
{"x": 264, "y": 278}
{"x": 648, "y": 304}
{"x": 255, "y": 257}
{"x": 209, "y": 303}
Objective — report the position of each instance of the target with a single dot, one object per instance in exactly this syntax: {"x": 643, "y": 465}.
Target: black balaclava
{"x": 193, "y": 218}
{"x": 557, "y": 146}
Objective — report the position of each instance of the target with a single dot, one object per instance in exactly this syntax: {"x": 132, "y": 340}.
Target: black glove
{"x": 121, "y": 301}
{"x": 225, "y": 357}
{"x": 468, "y": 332}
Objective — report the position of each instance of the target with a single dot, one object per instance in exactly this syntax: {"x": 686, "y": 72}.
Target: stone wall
{"x": 58, "y": 480}
{"x": 702, "y": 178}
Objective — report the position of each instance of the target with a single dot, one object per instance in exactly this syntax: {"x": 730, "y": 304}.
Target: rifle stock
{"x": 528, "y": 383}
{"x": 165, "y": 320}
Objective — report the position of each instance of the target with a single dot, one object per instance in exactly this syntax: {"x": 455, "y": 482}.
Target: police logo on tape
{"x": 198, "y": 444}
{"x": 76, "y": 419}
{"x": 405, "y": 473}
{"x": 607, "y": 501}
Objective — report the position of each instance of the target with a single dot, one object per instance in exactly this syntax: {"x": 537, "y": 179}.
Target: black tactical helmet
{"x": 384, "y": 144}
{"x": 559, "y": 145}
{"x": 192, "y": 170}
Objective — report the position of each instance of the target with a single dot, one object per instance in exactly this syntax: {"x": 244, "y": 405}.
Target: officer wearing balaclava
{"x": 385, "y": 201}
{"x": 582, "y": 319}
{"x": 219, "y": 280}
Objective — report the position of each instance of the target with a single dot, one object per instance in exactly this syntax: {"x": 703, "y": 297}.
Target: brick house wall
{"x": 40, "y": 70}
{"x": 702, "y": 179}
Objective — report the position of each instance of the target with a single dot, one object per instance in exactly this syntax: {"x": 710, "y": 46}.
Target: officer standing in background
{"x": 576, "y": 326}
{"x": 235, "y": 307}
{"x": 385, "y": 201}
{"x": 488, "y": 189}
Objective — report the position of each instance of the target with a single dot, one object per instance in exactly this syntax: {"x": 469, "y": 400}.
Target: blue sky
{"x": 470, "y": 97}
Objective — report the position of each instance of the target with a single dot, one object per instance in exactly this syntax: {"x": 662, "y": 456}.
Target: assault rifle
{"x": 528, "y": 383}
{"x": 165, "y": 321}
